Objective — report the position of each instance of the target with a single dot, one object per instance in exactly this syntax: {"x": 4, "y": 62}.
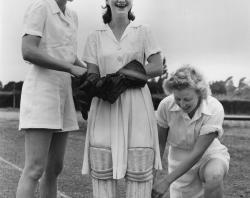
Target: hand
{"x": 160, "y": 187}
{"x": 77, "y": 71}
{"x": 80, "y": 64}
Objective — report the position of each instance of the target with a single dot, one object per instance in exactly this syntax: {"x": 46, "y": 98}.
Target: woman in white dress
{"x": 190, "y": 120}
{"x": 47, "y": 111}
{"x": 122, "y": 139}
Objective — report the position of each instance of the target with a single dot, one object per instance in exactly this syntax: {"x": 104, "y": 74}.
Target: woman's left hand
{"x": 160, "y": 187}
{"x": 80, "y": 63}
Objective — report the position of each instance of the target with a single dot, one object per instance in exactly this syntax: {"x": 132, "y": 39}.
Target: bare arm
{"x": 154, "y": 67}
{"x": 32, "y": 53}
{"x": 200, "y": 147}
{"x": 163, "y": 135}
{"x": 203, "y": 142}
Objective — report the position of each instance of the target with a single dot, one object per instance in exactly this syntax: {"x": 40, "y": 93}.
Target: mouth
{"x": 186, "y": 109}
{"x": 121, "y": 4}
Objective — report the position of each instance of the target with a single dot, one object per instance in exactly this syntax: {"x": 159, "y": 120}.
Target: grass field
{"x": 72, "y": 184}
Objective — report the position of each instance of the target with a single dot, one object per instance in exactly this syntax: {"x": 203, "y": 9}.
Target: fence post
{"x": 14, "y": 95}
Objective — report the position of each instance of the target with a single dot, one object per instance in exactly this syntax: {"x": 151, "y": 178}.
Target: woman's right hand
{"x": 77, "y": 71}
{"x": 160, "y": 187}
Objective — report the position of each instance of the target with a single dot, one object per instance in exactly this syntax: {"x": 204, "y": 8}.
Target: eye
{"x": 187, "y": 99}
{"x": 177, "y": 99}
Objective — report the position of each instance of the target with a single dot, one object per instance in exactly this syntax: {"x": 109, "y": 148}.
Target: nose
{"x": 182, "y": 104}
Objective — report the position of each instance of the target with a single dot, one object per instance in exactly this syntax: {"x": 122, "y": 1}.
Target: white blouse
{"x": 183, "y": 131}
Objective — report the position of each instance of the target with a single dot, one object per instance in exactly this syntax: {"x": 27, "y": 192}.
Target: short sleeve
{"x": 161, "y": 115}
{"x": 34, "y": 19}
{"x": 213, "y": 123}
{"x": 90, "y": 49}
{"x": 150, "y": 43}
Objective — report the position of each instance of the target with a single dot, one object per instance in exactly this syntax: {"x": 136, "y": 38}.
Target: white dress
{"x": 47, "y": 100}
{"x": 130, "y": 121}
{"x": 182, "y": 135}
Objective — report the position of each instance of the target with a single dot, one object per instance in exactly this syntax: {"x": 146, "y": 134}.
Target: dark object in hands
{"x": 85, "y": 91}
{"x": 110, "y": 87}
{"x": 132, "y": 75}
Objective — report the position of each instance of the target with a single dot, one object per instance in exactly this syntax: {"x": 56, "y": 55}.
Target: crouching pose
{"x": 190, "y": 120}
{"x": 122, "y": 139}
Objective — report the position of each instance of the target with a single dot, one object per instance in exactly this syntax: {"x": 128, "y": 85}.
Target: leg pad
{"x": 140, "y": 164}
{"x": 101, "y": 163}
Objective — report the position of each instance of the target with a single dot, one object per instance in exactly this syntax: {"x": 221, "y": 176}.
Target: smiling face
{"x": 187, "y": 99}
{"x": 120, "y": 7}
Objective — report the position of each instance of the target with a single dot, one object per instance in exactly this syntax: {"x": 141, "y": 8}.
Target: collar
{"x": 54, "y": 7}
{"x": 105, "y": 27}
{"x": 204, "y": 107}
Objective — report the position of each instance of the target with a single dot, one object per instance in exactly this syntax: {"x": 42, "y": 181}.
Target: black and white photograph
{"x": 125, "y": 99}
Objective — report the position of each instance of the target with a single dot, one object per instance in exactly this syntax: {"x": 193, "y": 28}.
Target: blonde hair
{"x": 187, "y": 77}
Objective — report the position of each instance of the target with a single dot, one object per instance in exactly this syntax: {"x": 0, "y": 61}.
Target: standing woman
{"x": 47, "y": 110}
{"x": 191, "y": 122}
{"x": 122, "y": 138}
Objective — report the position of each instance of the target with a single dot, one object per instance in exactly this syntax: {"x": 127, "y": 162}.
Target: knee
{"x": 213, "y": 174}
{"x": 214, "y": 178}
{"x": 34, "y": 171}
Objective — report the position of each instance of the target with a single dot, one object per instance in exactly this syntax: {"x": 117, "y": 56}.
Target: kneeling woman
{"x": 190, "y": 120}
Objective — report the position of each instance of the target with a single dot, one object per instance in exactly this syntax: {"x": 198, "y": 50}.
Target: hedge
{"x": 240, "y": 107}
{"x": 6, "y": 99}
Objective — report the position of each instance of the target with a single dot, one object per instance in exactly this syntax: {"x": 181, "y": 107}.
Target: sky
{"x": 212, "y": 35}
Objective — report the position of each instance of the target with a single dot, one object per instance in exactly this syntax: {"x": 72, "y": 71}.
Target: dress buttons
{"x": 118, "y": 46}
{"x": 119, "y": 58}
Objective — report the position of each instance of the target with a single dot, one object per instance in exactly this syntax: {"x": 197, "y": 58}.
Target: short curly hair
{"x": 187, "y": 77}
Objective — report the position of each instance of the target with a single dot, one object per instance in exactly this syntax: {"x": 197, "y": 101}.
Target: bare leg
{"x": 213, "y": 174}
{"x": 37, "y": 143}
{"x": 48, "y": 183}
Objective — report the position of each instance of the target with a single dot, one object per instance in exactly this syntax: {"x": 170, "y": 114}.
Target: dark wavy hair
{"x": 107, "y": 16}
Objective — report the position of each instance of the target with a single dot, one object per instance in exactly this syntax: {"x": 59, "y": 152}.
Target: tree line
{"x": 235, "y": 99}
{"x": 222, "y": 89}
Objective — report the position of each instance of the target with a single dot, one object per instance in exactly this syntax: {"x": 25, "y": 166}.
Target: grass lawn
{"x": 73, "y": 184}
